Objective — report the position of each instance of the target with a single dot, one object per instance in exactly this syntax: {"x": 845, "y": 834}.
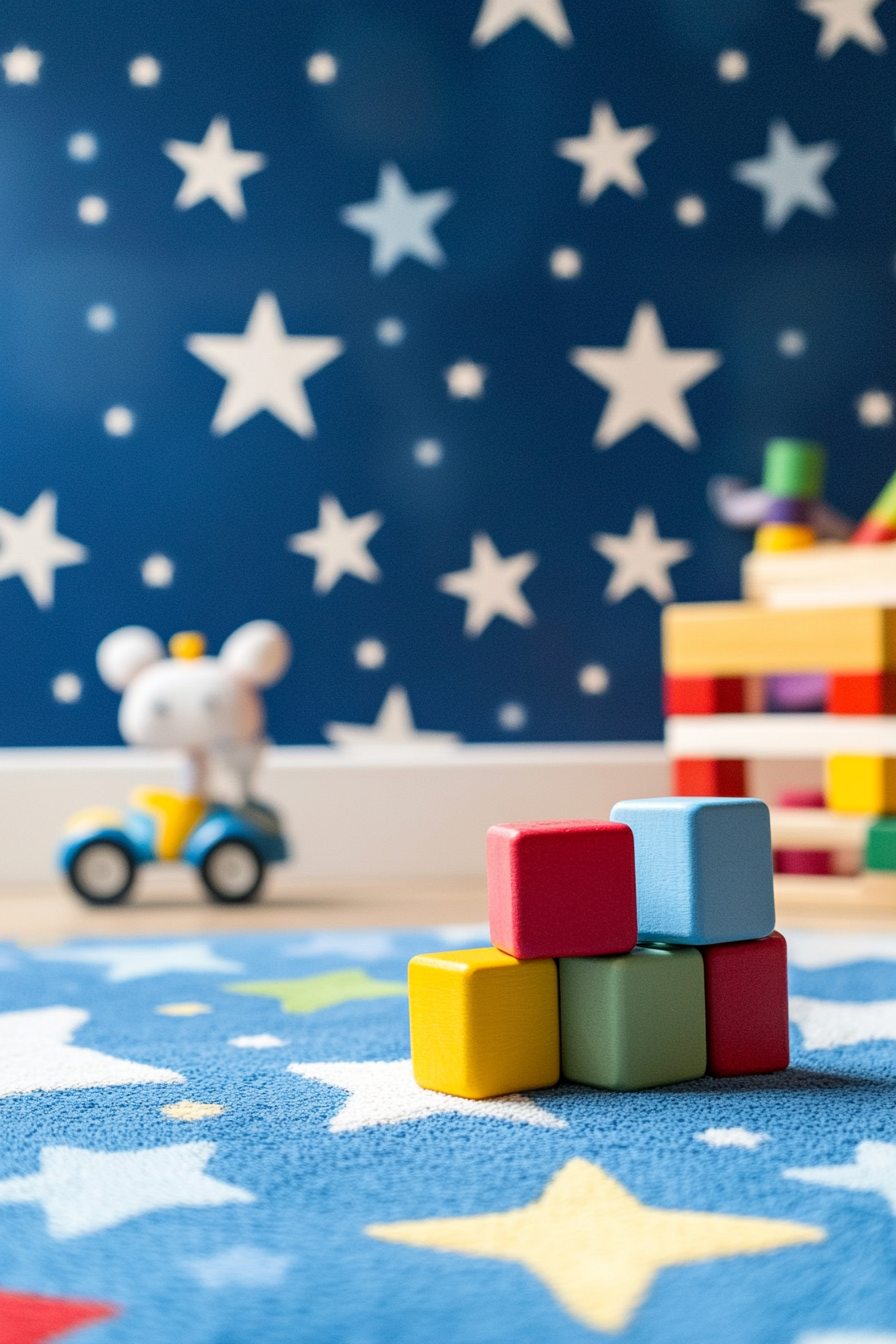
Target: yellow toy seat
{"x": 174, "y": 814}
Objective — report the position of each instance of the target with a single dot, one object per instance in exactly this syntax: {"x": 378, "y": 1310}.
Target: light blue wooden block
{"x": 703, "y": 868}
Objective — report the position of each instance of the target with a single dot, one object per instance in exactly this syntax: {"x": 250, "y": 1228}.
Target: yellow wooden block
{"x": 717, "y": 639}
{"x": 784, "y": 537}
{"x": 482, "y": 1023}
{"x": 861, "y": 783}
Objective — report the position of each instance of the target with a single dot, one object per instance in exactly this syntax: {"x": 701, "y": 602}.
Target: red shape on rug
{"x": 29, "y": 1318}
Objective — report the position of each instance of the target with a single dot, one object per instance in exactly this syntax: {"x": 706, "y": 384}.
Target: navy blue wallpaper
{"x": 420, "y": 328}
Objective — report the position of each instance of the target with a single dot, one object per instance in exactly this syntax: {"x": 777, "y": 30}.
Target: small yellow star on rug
{"x": 594, "y": 1245}
{"x": 192, "y": 1110}
{"x": 183, "y": 1009}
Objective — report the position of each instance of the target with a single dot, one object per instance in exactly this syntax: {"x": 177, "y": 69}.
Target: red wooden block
{"x": 747, "y": 1027}
{"x": 708, "y": 779}
{"x": 703, "y": 695}
{"x": 862, "y": 693}
{"x": 562, "y": 888}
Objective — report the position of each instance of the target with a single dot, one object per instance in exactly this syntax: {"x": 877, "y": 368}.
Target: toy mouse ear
{"x": 258, "y": 652}
{"x": 126, "y": 652}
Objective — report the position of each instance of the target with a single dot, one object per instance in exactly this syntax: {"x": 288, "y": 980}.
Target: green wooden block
{"x": 633, "y": 1021}
{"x": 793, "y": 469}
{"x": 880, "y": 848}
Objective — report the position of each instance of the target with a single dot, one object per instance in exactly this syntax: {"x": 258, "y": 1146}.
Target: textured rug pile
{"x": 220, "y": 1142}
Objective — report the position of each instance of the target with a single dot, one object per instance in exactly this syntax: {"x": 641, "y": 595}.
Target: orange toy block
{"x": 708, "y": 778}
{"x": 703, "y": 695}
{"x": 862, "y": 693}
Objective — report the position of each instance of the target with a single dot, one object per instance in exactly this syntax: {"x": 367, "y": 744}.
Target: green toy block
{"x": 880, "y": 847}
{"x": 794, "y": 469}
{"x": 633, "y": 1021}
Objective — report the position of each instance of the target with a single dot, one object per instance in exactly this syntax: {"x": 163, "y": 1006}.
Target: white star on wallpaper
{"x": 32, "y": 549}
{"x": 385, "y": 1093}
{"x": 646, "y": 381}
{"x": 339, "y": 545}
{"x": 491, "y": 586}
{"x": 497, "y": 16}
{"x": 136, "y": 961}
{"x": 466, "y": 380}
{"x": 642, "y": 559}
{"x": 844, "y": 21}
{"x": 400, "y": 221}
{"x": 213, "y": 170}
{"x": 789, "y": 175}
{"x": 393, "y": 727}
{"x": 265, "y": 369}
{"x": 607, "y": 154}
{"x": 873, "y": 1171}
{"x": 83, "y": 1191}
{"x": 826, "y": 1024}
{"x": 22, "y": 65}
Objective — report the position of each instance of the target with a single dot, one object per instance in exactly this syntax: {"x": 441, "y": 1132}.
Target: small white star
{"x": 642, "y": 559}
{"x": 789, "y": 175}
{"x": 844, "y": 21}
{"x": 32, "y": 549}
{"x": 22, "y": 65}
{"x": 491, "y": 586}
{"x": 646, "y": 381}
{"x": 213, "y": 169}
{"x": 607, "y": 154}
{"x": 873, "y": 1171}
{"x": 394, "y": 727}
{"x": 386, "y": 1094}
{"x": 826, "y": 1024}
{"x": 67, "y": 688}
{"x": 349, "y": 946}
{"x": 736, "y": 1137}
{"x": 370, "y": 653}
{"x": 264, "y": 1041}
{"x": 466, "y": 380}
{"x": 732, "y": 66}
{"x": 265, "y": 369}
{"x": 400, "y": 221}
{"x": 242, "y": 1266}
{"x": 339, "y": 545}
{"x": 497, "y": 16}
{"x": 135, "y": 961}
{"x": 875, "y": 409}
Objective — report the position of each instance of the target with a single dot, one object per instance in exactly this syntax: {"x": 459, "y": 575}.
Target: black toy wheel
{"x": 232, "y": 872}
{"x": 102, "y": 872}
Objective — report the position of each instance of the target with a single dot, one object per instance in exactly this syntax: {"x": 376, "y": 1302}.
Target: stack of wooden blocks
{"x": 627, "y": 954}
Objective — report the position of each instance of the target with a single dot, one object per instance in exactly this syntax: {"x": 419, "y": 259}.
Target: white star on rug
{"x": 264, "y": 1041}
{"x": 815, "y": 951}
{"x": 32, "y": 549}
{"x": 642, "y": 559}
{"x": 83, "y": 1191}
{"x": 607, "y": 154}
{"x": 265, "y": 369}
{"x": 22, "y": 65}
{"x": 339, "y": 545}
{"x": 386, "y": 1094}
{"x": 36, "y": 1055}
{"x": 789, "y": 175}
{"x": 393, "y": 727}
{"x": 845, "y": 21}
{"x": 497, "y": 16}
{"x": 350, "y": 946}
{"x": 828, "y": 1023}
{"x": 466, "y": 380}
{"x": 400, "y": 221}
{"x": 243, "y": 1266}
{"x": 491, "y": 586}
{"x": 646, "y": 381}
{"x": 873, "y": 1171}
{"x": 735, "y": 1137}
{"x": 213, "y": 170}
{"x": 135, "y": 961}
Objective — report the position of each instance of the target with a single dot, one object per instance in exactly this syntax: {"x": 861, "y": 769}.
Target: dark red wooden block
{"x": 862, "y": 693}
{"x": 708, "y": 779}
{"x": 703, "y": 695}
{"x": 746, "y": 1007}
{"x": 562, "y": 888}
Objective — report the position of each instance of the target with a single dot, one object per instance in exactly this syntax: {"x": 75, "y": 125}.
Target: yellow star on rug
{"x": 594, "y": 1245}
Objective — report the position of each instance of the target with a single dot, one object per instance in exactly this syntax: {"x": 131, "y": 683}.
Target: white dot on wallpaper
{"x": 732, "y": 66}
{"x": 690, "y": 210}
{"x": 565, "y": 263}
{"x": 67, "y": 688}
{"x": 157, "y": 571}
{"x": 876, "y": 409}
{"x": 792, "y": 342}
{"x": 593, "y": 679}
{"x": 92, "y": 210}
{"x": 101, "y": 317}
{"x": 390, "y": 331}
{"x": 428, "y": 452}
{"x": 321, "y": 68}
{"x": 119, "y": 422}
{"x": 82, "y": 146}
{"x": 144, "y": 72}
{"x": 512, "y": 716}
{"x": 370, "y": 653}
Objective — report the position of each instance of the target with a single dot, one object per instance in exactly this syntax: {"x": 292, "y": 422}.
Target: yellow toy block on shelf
{"x": 861, "y": 783}
{"x": 784, "y": 537}
{"x": 482, "y": 1023}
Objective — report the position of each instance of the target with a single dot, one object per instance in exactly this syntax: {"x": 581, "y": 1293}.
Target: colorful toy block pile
{"x": 793, "y": 477}
{"x": 627, "y": 954}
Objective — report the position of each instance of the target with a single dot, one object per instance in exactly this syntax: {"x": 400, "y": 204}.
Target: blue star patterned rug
{"x": 221, "y": 1141}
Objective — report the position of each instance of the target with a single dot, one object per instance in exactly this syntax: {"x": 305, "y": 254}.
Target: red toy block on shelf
{"x": 692, "y": 778}
{"x": 562, "y": 889}
{"x": 703, "y": 695}
{"x": 862, "y": 693}
{"x": 747, "y": 1028}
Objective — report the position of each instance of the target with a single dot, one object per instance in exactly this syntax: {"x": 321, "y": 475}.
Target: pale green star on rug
{"x": 320, "y": 991}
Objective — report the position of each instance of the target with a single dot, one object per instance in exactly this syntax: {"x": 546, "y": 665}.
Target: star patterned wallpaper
{"x": 421, "y": 328}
